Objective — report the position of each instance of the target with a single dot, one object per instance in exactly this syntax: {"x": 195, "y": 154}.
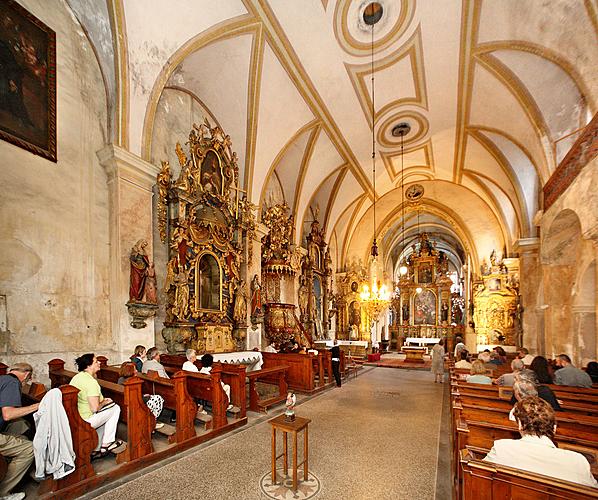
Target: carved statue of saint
{"x": 444, "y": 309}
{"x": 151, "y": 287}
{"x": 405, "y": 312}
{"x": 139, "y": 269}
{"x": 181, "y": 296}
{"x": 303, "y": 300}
{"x": 240, "y": 308}
{"x": 256, "y": 297}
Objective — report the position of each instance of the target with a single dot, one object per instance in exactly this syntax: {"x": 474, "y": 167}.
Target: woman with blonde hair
{"x": 478, "y": 376}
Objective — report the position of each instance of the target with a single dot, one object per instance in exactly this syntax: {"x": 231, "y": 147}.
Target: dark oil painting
{"x": 27, "y": 81}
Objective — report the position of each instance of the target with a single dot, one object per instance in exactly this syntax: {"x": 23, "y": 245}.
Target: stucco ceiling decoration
{"x": 418, "y": 123}
{"x": 418, "y": 160}
{"x": 411, "y": 52}
{"x": 354, "y": 35}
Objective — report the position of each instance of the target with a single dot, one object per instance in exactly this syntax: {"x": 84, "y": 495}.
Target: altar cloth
{"x": 253, "y": 359}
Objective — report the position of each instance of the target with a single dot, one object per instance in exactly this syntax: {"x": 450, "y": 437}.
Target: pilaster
{"x": 530, "y": 282}
{"x": 130, "y": 181}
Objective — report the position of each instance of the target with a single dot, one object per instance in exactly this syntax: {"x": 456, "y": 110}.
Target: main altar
{"x": 423, "y": 306}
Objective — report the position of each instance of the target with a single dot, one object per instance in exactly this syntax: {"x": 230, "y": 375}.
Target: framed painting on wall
{"x": 27, "y": 81}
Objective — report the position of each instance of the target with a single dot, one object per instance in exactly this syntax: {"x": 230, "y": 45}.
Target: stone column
{"x": 130, "y": 181}
{"x": 530, "y": 282}
{"x": 255, "y": 336}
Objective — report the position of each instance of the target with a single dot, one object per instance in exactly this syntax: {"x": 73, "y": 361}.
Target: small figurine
{"x": 289, "y": 414}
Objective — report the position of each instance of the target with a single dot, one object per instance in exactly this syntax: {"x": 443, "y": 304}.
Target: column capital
{"x": 527, "y": 245}
{"x": 122, "y": 164}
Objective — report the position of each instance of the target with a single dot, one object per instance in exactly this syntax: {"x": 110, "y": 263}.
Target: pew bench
{"x": 487, "y": 481}
{"x": 272, "y": 375}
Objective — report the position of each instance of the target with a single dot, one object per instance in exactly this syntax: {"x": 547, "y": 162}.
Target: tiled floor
{"x": 377, "y": 437}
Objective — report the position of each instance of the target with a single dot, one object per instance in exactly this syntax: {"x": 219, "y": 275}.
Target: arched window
{"x": 208, "y": 283}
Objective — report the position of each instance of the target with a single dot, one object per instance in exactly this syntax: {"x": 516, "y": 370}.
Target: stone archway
{"x": 561, "y": 248}
{"x": 584, "y": 315}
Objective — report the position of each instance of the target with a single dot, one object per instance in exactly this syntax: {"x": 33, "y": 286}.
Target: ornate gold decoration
{"x": 497, "y": 311}
{"x": 208, "y": 228}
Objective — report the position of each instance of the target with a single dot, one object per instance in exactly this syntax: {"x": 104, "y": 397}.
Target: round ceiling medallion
{"x": 414, "y": 192}
{"x": 388, "y": 135}
{"x": 353, "y": 21}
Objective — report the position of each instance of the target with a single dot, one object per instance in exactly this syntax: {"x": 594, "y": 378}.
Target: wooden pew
{"x": 233, "y": 375}
{"x": 276, "y": 375}
{"x": 85, "y": 440}
{"x": 133, "y": 411}
{"x": 176, "y": 397}
{"x": 300, "y": 373}
{"x": 488, "y": 481}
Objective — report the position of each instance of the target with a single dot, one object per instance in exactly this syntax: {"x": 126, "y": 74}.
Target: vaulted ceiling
{"x": 495, "y": 93}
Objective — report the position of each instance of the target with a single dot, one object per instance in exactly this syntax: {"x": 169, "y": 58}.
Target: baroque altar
{"x": 205, "y": 223}
{"x": 423, "y": 303}
{"x": 497, "y": 309}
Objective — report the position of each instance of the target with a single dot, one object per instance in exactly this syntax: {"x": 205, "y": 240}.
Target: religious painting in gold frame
{"x": 211, "y": 179}
{"x": 424, "y": 307}
{"x": 208, "y": 283}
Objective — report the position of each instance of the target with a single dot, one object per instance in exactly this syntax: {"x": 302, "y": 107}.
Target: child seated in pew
{"x": 101, "y": 413}
{"x": 535, "y": 451}
{"x": 154, "y": 402}
{"x": 478, "y": 376}
{"x": 207, "y": 360}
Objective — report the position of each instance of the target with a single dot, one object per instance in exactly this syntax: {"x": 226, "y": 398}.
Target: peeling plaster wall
{"x": 54, "y": 219}
{"x": 569, "y": 301}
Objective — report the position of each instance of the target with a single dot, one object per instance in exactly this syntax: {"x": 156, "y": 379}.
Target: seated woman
{"x": 542, "y": 391}
{"x": 189, "y": 365}
{"x": 207, "y": 360}
{"x": 154, "y": 402}
{"x": 101, "y": 413}
{"x": 592, "y": 371}
{"x": 138, "y": 357}
{"x": 535, "y": 451}
{"x": 501, "y": 353}
{"x": 478, "y": 376}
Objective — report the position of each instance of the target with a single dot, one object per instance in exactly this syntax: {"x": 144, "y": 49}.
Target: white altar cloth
{"x": 421, "y": 341}
{"x": 330, "y": 343}
{"x": 252, "y": 359}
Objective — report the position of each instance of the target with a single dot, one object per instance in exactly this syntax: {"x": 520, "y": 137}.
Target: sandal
{"x": 115, "y": 447}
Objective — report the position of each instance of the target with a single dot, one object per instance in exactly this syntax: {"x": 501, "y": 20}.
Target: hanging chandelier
{"x": 376, "y": 296}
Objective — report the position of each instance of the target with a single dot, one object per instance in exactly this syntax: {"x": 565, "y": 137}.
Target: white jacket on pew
{"x": 52, "y": 444}
{"x": 540, "y": 455}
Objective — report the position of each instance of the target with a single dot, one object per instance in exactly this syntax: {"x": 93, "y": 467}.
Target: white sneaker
{"x": 159, "y": 425}
{"x": 229, "y": 407}
{"x": 13, "y": 496}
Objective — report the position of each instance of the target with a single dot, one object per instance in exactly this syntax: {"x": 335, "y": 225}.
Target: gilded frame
{"x": 28, "y": 83}
{"x": 197, "y": 285}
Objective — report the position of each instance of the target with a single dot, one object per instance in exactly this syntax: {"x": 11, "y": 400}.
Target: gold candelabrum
{"x": 375, "y": 300}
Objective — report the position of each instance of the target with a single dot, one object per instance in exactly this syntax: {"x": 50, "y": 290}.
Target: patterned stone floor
{"x": 377, "y": 437}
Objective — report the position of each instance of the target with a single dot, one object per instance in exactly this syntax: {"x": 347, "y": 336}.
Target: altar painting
{"x": 208, "y": 282}
{"x": 211, "y": 173}
{"x": 425, "y": 273}
{"x": 424, "y": 305}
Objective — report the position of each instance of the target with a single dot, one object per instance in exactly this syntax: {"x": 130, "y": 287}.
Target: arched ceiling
{"x": 495, "y": 92}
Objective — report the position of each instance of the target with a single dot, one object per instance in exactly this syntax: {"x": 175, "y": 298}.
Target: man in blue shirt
{"x": 17, "y": 449}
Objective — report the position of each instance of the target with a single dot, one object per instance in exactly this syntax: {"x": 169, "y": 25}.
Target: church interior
{"x": 267, "y": 181}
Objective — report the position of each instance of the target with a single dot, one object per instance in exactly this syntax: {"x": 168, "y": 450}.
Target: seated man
{"x": 569, "y": 374}
{"x": 535, "y": 451}
{"x": 525, "y": 356}
{"x": 207, "y": 360}
{"x": 509, "y": 378}
{"x": 153, "y": 363}
{"x": 463, "y": 363}
{"x": 17, "y": 449}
